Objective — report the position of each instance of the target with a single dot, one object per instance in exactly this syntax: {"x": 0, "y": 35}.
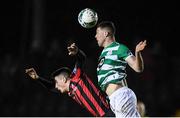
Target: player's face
{"x": 100, "y": 36}
{"x": 60, "y": 83}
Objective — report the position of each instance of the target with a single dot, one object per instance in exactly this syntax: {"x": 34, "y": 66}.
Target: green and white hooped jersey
{"x": 112, "y": 64}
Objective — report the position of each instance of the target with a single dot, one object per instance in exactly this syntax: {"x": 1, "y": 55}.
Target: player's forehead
{"x": 59, "y": 76}
{"x": 99, "y": 29}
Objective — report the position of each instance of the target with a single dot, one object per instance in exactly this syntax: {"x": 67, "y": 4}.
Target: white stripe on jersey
{"x": 114, "y": 72}
{"x": 110, "y": 48}
{"x": 115, "y": 76}
{"x": 104, "y": 75}
{"x": 108, "y": 67}
{"x": 112, "y": 57}
{"x": 115, "y": 58}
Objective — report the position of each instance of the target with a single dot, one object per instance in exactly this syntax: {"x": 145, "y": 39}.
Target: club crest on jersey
{"x": 101, "y": 62}
{"x": 129, "y": 53}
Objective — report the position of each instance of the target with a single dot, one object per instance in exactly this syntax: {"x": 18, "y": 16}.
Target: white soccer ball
{"x": 87, "y": 18}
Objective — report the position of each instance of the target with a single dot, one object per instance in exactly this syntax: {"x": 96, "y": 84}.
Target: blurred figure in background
{"x": 141, "y": 108}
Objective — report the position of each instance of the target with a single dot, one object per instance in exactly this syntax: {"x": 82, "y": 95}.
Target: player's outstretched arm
{"x": 44, "y": 82}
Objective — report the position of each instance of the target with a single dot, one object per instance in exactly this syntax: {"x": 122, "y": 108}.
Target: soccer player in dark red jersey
{"x": 77, "y": 84}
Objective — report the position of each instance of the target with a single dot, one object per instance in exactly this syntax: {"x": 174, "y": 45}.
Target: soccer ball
{"x": 87, "y": 18}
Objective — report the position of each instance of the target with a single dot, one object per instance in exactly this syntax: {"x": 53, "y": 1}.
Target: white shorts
{"x": 123, "y": 103}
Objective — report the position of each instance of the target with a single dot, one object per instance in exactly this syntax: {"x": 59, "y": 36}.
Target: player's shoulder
{"x": 122, "y": 46}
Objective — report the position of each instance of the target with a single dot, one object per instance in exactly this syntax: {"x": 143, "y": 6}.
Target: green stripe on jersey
{"x": 115, "y": 62}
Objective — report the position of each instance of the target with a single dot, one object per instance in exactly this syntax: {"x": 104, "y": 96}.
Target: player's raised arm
{"x": 72, "y": 49}
{"x": 80, "y": 55}
{"x": 136, "y": 62}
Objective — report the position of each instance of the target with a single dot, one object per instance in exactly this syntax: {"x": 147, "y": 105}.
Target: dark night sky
{"x": 35, "y": 33}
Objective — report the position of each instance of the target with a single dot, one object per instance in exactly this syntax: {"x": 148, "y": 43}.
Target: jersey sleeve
{"x": 50, "y": 85}
{"x": 124, "y": 52}
{"x": 80, "y": 60}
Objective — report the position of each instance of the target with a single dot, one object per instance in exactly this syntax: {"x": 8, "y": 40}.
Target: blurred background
{"x": 35, "y": 33}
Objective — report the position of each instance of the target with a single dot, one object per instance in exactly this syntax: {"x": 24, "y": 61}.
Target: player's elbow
{"x": 139, "y": 70}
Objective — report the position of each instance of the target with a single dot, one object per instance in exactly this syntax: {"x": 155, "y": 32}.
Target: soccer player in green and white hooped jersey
{"x": 112, "y": 64}
{"x": 111, "y": 70}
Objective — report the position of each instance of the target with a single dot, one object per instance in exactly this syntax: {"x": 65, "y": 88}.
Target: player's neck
{"x": 109, "y": 41}
{"x": 68, "y": 84}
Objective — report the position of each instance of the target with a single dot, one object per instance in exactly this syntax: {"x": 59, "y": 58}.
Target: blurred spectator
{"x": 141, "y": 108}
{"x": 177, "y": 113}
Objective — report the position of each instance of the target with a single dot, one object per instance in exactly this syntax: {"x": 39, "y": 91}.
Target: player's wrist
{"x": 37, "y": 77}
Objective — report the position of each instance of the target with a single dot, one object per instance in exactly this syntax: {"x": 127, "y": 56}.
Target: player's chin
{"x": 62, "y": 91}
{"x": 100, "y": 44}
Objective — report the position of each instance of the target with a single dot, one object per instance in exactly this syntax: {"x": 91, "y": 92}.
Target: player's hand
{"x": 32, "y": 73}
{"x": 72, "y": 49}
{"x": 140, "y": 46}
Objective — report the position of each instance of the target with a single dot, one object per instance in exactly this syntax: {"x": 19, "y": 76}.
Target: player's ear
{"x": 64, "y": 79}
{"x": 106, "y": 34}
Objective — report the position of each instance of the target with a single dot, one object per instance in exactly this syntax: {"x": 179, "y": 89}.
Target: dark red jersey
{"x": 87, "y": 94}
{"x": 82, "y": 90}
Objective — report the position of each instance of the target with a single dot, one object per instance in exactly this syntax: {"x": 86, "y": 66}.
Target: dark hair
{"x": 109, "y": 25}
{"x": 59, "y": 71}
